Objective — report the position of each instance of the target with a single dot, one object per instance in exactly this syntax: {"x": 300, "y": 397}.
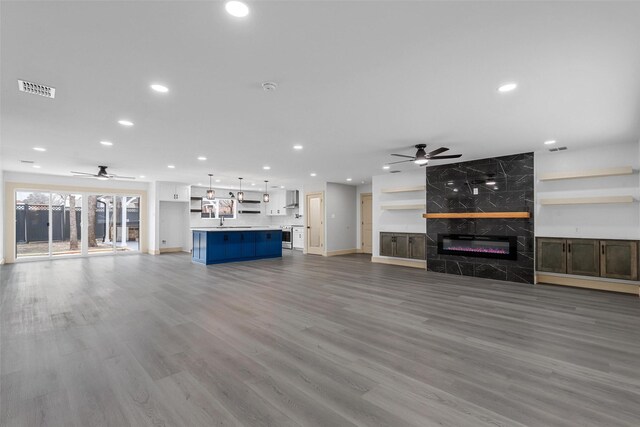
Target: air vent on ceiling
{"x": 27, "y": 161}
{"x": 558, "y": 149}
{"x": 37, "y": 89}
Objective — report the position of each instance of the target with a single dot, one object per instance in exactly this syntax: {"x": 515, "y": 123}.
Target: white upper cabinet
{"x": 172, "y": 192}
{"x": 277, "y": 203}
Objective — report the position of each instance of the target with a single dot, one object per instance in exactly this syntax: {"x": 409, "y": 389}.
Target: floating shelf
{"x": 250, "y": 201}
{"x": 466, "y": 215}
{"x": 403, "y": 207}
{"x": 196, "y": 198}
{"x": 591, "y": 173}
{"x": 248, "y": 212}
{"x": 404, "y": 189}
{"x": 196, "y": 210}
{"x": 587, "y": 200}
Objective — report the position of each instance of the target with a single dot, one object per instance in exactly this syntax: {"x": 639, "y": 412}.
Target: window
{"x": 219, "y": 208}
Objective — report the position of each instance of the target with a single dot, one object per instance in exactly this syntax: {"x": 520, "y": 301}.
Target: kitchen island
{"x": 217, "y": 245}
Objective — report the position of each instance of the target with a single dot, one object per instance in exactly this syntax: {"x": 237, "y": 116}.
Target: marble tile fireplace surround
{"x": 480, "y": 218}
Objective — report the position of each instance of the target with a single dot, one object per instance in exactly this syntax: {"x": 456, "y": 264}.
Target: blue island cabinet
{"x": 214, "y": 247}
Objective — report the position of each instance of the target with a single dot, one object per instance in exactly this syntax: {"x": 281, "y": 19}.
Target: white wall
{"x": 1, "y": 217}
{"x": 606, "y": 221}
{"x": 341, "y": 218}
{"x": 361, "y": 189}
{"x": 173, "y": 226}
{"x": 407, "y": 221}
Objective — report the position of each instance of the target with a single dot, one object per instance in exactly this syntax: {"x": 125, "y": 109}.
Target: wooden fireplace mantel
{"x": 464, "y": 215}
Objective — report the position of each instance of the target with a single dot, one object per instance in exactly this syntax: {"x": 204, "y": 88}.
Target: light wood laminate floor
{"x": 306, "y": 340}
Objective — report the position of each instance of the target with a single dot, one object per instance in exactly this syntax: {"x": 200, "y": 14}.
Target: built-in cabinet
{"x": 403, "y": 245}
{"x": 277, "y": 203}
{"x": 298, "y": 237}
{"x": 172, "y": 192}
{"x": 614, "y": 259}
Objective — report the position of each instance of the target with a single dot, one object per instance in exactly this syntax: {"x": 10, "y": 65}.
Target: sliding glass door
{"x": 32, "y": 224}
{"x": 56, "y": 224}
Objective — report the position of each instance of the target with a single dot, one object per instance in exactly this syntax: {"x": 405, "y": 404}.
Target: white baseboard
{"x": 415, "y": 263}
{"x": 341, "y": 252}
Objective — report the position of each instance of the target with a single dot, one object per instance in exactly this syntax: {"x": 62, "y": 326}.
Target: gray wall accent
{"x": 513, "y": 191}
{"x": 341, "y": 217}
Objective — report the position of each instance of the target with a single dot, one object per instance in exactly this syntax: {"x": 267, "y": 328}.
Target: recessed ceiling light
{"x": 202, "y": 158}
{"x": 142, "y": 176}
{"x": 266, "y": 168}
{"x": 36, "y": 166}
{"x": 125, "y": 122}
{"x": 297, "y": 147}
{"x": 109, "y": 143}
{"x": 313, "y": 174}
{"x": 386, "y": 167}
{"x": 159, "y": 88}
{"x": 507, "y": 87}
{"x": 348, "y": 179}
{"x": 39, "y": 149}
{"x": 253, "y": 183}
{"x": 237, "y": 9}
{"x": 549, "y": 142}
{"x": 282, "y": 186}
{"x": 217, "y": 180}
{"x": 171, "y": 166}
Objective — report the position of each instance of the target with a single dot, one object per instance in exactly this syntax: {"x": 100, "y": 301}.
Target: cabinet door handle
{"x": 226, "y": 237}
{"x": 602, "y": 246}
{"x": 569, "y": 247}
{"x": 563, "y": 247}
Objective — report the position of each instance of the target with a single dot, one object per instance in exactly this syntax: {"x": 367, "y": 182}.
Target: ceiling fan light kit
{"x": 102, "y": 174}
{"x": 421, "y": 157}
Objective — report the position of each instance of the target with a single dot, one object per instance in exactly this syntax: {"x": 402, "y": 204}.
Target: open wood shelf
{"x": 591, "y": 173}
{"x": 403, "y": 207}
{"x": 587, "y": 200}
{"x": 467, "y": 215}
{"x": 404, "y": 189}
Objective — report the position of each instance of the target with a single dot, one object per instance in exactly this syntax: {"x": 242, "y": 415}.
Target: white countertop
{"x": 236, "y": 229}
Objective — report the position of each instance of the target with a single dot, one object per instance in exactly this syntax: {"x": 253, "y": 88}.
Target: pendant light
{"x": 265, "y": 196}
{"x": 210, "y": 191}
{"x": 240, "y": 195}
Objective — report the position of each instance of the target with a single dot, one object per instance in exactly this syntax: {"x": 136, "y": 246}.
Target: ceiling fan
{"x": 422, "y": 158}
{"x": 102, "y": 174}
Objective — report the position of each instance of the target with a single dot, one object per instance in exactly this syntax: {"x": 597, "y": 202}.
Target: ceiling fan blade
{"x": 122, "y": 177}
{"x": 401, "y": 161}
{"x": 402, "y": 155}
{"x": 451, "y": 156}
{"x": 83, "y": 173}
{"x": 437, "y": 151}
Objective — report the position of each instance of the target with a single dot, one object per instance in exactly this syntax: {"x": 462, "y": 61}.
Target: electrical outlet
{"x": 164, "y": 242}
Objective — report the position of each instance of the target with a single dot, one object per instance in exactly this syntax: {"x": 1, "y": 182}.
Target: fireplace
{"x": 469, "y": 245}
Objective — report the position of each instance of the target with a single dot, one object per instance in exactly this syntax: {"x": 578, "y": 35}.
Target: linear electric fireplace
{"x": 469, "y": 245}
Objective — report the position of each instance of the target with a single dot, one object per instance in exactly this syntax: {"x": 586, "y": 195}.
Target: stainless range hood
{"x": 292, "y": 199}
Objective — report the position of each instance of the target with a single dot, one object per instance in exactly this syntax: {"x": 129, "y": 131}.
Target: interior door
{"x": 315, "y": 224}
{"x": 366, "y": 223}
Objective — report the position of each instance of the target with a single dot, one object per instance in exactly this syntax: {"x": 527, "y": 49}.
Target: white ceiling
{"x": 357, "y": 81}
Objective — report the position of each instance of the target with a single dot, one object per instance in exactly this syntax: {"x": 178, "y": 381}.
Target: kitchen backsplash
{"x": 260, "y": 219}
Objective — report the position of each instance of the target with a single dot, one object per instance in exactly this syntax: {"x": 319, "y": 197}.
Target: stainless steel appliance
{"x": 287, "y": 237}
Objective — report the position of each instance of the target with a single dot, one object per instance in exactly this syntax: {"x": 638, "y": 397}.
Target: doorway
{"x": 366, "y": 223}
{"x": 315, "y": 223}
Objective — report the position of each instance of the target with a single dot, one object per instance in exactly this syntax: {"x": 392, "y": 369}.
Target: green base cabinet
{"x": 613, "y": 259}
{"x": 403, "y": 245}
